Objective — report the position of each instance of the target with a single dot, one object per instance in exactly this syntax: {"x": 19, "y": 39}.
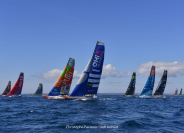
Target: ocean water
{"x": 109, "y": 113}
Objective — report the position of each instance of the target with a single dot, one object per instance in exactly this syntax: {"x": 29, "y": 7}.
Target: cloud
{"x": 174, "y": 68}
{"x": 108, "y": 70}
{"x": 55, "y": 73}
{"x": 76, "y": 74}
{"x": 52, "y": 74}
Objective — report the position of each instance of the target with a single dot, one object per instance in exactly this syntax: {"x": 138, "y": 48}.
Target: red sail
{"x": 17, "y": 88}
{"x": 176, "y": 92}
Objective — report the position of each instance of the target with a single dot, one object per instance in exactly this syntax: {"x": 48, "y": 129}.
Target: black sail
{"x": 131, "y": 87}
{"x": 39, "y": 90}
{"x": 161, "y": 86}
{"x": 7, "y": 89}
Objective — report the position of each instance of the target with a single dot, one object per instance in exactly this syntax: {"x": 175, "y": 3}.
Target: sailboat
{"x": 148, "y": 88}
{"x": 87, "y": 86}
{"x": 7, "y": 89}
{"x": 161, "y": 86}
{"x": 176, "y": 92}
{"x": 131, "y": 88}
{"x": 180, "y": 92}
{"x": 62, "y": 86}
{"x": 39, "y": 90}
{"x": 17, "y": 88}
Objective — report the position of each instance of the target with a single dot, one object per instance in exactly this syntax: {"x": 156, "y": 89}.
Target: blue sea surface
{"x": 109, "y": 113}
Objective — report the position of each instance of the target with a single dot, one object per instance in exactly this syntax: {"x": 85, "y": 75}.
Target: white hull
{"x": 60, "y": 97}
{"x": 84, "y": 98}
{"x": 158, "y": 96}
{"x": 57, "y": 97}
{"x": 15, "y": 96}
{"x": 145, "y": 96}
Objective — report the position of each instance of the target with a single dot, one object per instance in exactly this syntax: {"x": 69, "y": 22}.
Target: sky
{"x": 38, "y": 37}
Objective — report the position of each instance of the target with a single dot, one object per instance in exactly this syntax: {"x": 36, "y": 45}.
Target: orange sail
{"x": 62, "y": 85}
{"x": 67, "y": 81}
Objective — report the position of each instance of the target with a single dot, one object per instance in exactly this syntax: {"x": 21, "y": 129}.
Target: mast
{"x": 161, "y": 86}
{"x": 90, "y": 79}
{"x": 148, "y": 88}
{"x": 131, "y": 87}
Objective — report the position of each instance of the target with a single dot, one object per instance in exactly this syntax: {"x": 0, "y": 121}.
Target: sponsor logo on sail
{"x": 68, "y": 77}
{"x": 96, "y": 60}
{"x": 98, "y": 52}
{"x": 97, "y": 57}
{"x": 152, "y": 81}
{"x": 94, "y": 80}
{"x": 96, "y": 70}
{"x": 152, "y": 72}
{"x": 20, "y": 83}
{"x": 94, "y": 75}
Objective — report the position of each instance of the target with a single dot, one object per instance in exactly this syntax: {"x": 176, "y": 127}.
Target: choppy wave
{"x": 109, "y": 113}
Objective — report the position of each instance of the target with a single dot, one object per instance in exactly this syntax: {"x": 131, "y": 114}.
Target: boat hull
{"x": 55, "y": 97}
{"x": 145, "y": 96}
{"x": 128, "y": 96}
{"x": 81, "y": 98}
{"x": 158, "y": 96}
{"x": 14, "y": 96}
{"x": 66, "y": 97}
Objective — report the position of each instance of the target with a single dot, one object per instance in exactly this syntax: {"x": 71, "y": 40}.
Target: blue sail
{"x": 90, "y": 79}
{"x": 148, "y": 88}
{"x": 54, "y": 91}
{"x": 96, "y": 70}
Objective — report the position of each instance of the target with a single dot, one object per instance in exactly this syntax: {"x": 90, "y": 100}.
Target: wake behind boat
{"x": 62, "y": 86}
{"x": 87, "y": 86}
{"x": 148, "y": 88}
{"x": 158, "y": 96}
